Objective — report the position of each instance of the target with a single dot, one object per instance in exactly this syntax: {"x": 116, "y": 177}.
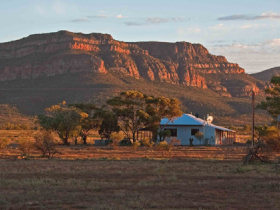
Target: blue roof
{"x": 189, "y": 120}
{"x": 185, "y": 119}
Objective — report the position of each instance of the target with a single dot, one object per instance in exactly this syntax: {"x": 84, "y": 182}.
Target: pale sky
{"x": 247, "y": 32}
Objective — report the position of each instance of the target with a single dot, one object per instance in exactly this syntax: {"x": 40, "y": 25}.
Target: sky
{"x": 247, "y": 32}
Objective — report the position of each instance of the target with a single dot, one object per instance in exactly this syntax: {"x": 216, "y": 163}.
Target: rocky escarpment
{"x": 65, "y": 52}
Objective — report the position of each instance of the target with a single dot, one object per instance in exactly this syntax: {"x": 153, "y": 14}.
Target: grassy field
{"x": 128, "y": 153}
{"x": 116, "y": 153}
{"x": 137, "y": 184}
{"x": 107, "y": 177}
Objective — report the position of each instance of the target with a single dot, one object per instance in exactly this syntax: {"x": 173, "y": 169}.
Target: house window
{"x": 173, "y": 131}
{"x": 194, "y": 131}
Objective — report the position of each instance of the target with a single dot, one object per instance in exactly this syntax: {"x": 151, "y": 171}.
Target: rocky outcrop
{"x": 66, "y": 52}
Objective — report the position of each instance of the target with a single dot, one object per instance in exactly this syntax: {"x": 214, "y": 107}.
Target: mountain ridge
{"x": 45, "y": 69}
{"x": 67, "y": 52}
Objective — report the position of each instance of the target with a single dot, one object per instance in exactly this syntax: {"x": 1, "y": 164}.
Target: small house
{"x": 191, "y": 130}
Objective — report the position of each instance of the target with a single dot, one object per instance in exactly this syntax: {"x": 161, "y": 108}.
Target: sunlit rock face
{"x": 64, "y": 52}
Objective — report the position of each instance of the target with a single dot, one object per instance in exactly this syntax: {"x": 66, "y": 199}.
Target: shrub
{"x": 168, "y": 146}
{"x": 116, "y": 137}
{"x": 163, "y": 145}
{"x": 267, "y": 143}
{"x": 273, "y": 144}
{"x": 163, "y": 134}
{"x": 45, "y": 142}
{"x": 3, "y": 143}
{"x": 25, "y": 146}
{"x": 146, "y": 142}
{"x": 125, "y": 142}
{"x": 136, "y": 144}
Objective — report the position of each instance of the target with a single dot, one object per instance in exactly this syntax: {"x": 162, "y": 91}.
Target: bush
{"x": 146, "y": 142}
{"x": 3, "y": 143}
{"x": 168, "y": 146}
{"x": 273, "y": 144}
{"x": 45, "y": 142}
{"x": 136, "y": 144}
{"x": 116, "y": 138}
{"x": 268, "y": 142}
{"x": 25, "y": 147}
{"x": 125, "y": 142}
{"x": 270, "y": 136}
{"x": 163, "y": 145}
{"x": 163, "y": 134}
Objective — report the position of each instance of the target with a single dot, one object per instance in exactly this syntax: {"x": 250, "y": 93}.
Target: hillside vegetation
{"x": 32, "y": 96}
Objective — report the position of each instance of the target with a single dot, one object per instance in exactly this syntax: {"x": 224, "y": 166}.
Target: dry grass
{"x": 128, "y": 152}
{"x": 129, "y": 184}
{"x": 15, "y": 135}
{"x": 120, "y": 152}
{"x": 89, "y": 177}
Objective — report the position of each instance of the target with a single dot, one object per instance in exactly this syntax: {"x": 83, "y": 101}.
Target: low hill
{"x": 266, "y": 75}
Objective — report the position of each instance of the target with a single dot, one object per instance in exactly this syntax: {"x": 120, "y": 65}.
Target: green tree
{"x": 90, "y": 122}
{"x": 158, "y": 108}
{"x": 108, "y": 125}
{"x": 272, "y": 103}
{"x": 136, "y": 110}
{"x": 63, "y": 120}
{"x": 129, "y": 107}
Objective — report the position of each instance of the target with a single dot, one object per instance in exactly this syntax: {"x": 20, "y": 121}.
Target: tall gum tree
{"x": 136, "y": 111}
{"x": 129, "y": 107}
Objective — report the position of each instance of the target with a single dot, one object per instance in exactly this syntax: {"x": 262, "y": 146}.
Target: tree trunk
{"x": 155, "y": 135}
{"x": 85, "y": 139}
{"x": 133, "y": 137}
{"x": 65, "y": 141}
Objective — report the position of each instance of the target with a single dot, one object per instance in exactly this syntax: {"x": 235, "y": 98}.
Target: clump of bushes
{"x": 136, "y": 144}
{"x": 25, "y": 146}
{"x": 125, "y": 142}
{"x": 163, "y": 145}
{"x": 271, "y": 137}
{"x": 168, "y": 146}
{"x": 3, "y": 143}
{"x": 146, "y": 142}
{"x": 116, "y": 138}
{"x": 45, "y": 142}
{"x": 268, "y": 142}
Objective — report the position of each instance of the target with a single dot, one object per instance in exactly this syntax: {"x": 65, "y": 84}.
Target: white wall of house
{"x": 184, "y": 134}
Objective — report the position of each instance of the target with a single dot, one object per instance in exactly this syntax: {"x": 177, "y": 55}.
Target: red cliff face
{"x": 65, "y": 52}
